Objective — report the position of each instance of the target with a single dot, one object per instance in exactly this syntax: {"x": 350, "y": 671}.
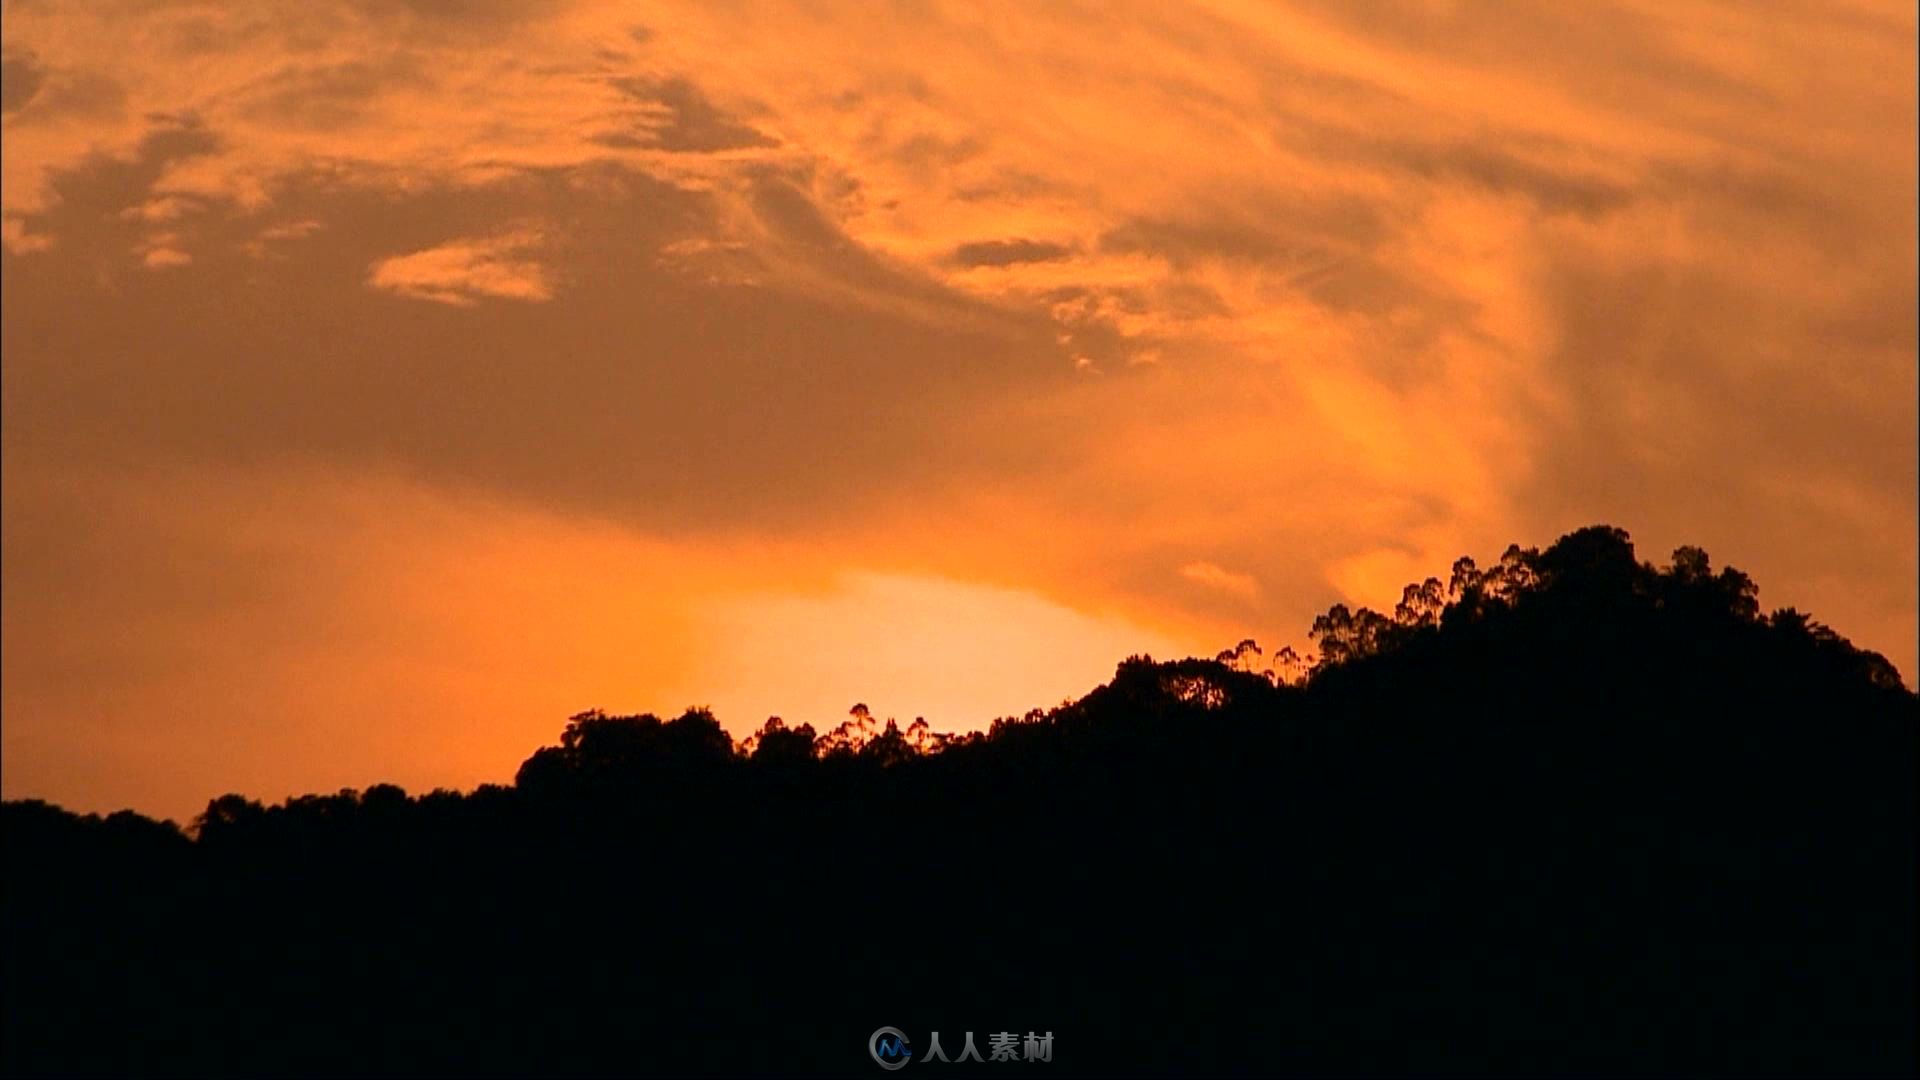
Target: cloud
{"x": 270, "y": 242}
{"x": 20, "y": 80}
{"x": 674, "y": 116}
{"x": 13, "y": 234}
{"x": 1245, "y": 586}
{"x": 1047, "y": 302}
{"x": 460, "y": 272}
{"x": 1007, "y": 252}
{"x": 161, "y": 258}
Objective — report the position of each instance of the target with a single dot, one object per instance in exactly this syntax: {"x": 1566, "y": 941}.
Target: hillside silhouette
{"x": 1568, "y": 813}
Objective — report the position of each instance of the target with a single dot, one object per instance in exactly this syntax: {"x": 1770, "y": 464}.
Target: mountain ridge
{"x": 1569, "y": 813}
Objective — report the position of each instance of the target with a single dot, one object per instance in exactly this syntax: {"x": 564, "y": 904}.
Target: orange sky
{"x": 386, "y": 381}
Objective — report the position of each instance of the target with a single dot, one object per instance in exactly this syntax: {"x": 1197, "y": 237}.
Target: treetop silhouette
{"x": 1572, "y": 812}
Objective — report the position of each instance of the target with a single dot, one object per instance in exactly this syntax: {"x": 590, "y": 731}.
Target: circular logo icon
{"x": 889, "y": 1048}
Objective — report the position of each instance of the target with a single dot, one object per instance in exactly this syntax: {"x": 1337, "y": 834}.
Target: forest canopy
{"x": 1571, "y": 812}
{"x": 1708, "y": 618}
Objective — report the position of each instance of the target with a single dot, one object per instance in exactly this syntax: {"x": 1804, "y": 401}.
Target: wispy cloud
{"x": 1245, "y": 586}
{"x": 462, "y": 272}
{"x": 1049, "y": 298}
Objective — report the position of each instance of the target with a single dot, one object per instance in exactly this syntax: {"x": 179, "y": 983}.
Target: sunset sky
{"x": 386, "y": 381}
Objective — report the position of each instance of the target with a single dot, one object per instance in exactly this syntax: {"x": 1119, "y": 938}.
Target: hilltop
{"x": 1572, "y": 812}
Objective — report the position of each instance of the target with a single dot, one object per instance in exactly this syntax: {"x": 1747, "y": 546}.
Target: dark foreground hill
{"x": 1571, "y": 814}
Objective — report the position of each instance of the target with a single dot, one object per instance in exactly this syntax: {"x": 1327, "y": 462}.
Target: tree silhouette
{"x": 1570, "y": 813}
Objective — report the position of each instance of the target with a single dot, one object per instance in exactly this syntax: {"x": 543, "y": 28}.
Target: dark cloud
{"x": 1274, "y": 228}
{"x": 692, "y": 125}
{"x": 328, "y": 97}
{"x": 638, "y": 391}
{"x": 20, "y": 79}
{"x": 1512, "y": 165}
{"x": 1007, "y": 253}
{"x": 37, "y": 95}
{"x": 1504, "y": 173}
{"x": 1324, "y": 249}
